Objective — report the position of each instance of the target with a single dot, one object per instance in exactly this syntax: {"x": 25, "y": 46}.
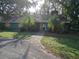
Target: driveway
{"x": 25, "y": 49}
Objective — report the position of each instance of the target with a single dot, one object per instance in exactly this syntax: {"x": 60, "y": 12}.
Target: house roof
{"x": 18, "y": 19}
{"x": 37, "y": 19}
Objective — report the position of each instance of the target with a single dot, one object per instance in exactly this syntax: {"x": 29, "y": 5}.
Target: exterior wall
{"x": 9, "y": 26}
{"x": 14, "y": 26}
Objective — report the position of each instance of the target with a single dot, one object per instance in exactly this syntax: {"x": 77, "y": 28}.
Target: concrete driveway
{"x": 25, "y": 49}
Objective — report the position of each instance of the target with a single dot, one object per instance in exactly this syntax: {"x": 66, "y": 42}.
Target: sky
{"x": 38, "y": 6}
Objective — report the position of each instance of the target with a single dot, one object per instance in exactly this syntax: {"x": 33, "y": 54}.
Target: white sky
{"x": 38, "y": 6}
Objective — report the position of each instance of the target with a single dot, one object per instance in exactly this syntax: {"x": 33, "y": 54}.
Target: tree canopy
{"x": 12, "y": 7}
{"x": 68, "y": 8}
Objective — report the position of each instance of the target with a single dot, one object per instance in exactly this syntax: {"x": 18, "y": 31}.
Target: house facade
{"x": 16, "y": 26}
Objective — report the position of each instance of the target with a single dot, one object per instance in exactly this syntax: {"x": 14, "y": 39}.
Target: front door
{"x": 43, "y": 27}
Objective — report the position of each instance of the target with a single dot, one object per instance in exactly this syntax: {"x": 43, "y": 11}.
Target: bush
{"x": 53, "y": 23}
{"x": 50, "y": 25}
{"x": 27, "y": 23}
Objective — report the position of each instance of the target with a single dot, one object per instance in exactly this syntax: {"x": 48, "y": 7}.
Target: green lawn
{"x": 7, "y": 34}
{"x": 62, "y": 45}
{"x": 16, "y": 35}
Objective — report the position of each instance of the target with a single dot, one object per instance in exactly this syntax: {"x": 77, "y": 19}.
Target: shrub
{"x": 27, "y": 23}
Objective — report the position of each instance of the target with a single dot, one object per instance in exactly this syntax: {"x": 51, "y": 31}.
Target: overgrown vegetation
{"x": 62, "y": 45}
{"x": 14, "y": 35}
{"x": 7, "y": 34}
{"x": 67, "y": 11}
{"x": 27, "y": 23}
{"x": 53, "y": 23}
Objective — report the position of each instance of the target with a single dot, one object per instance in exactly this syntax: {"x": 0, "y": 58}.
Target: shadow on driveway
{"x": 26, "y": 52}
{"x": 14, "y": 41}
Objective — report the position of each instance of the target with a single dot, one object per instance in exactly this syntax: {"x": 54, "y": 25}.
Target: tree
{"x": 27, "y": 23}
{"x": 71, "y": 9}
{"x": 74, "y": 14}
{"x": 8, "y": 8}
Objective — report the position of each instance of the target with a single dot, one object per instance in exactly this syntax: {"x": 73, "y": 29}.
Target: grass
{"x": 14, "y": 35}
{"x": 7, "y": 34}
{"x": 62, "y": 45}
{"x": 22, "y": 35}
